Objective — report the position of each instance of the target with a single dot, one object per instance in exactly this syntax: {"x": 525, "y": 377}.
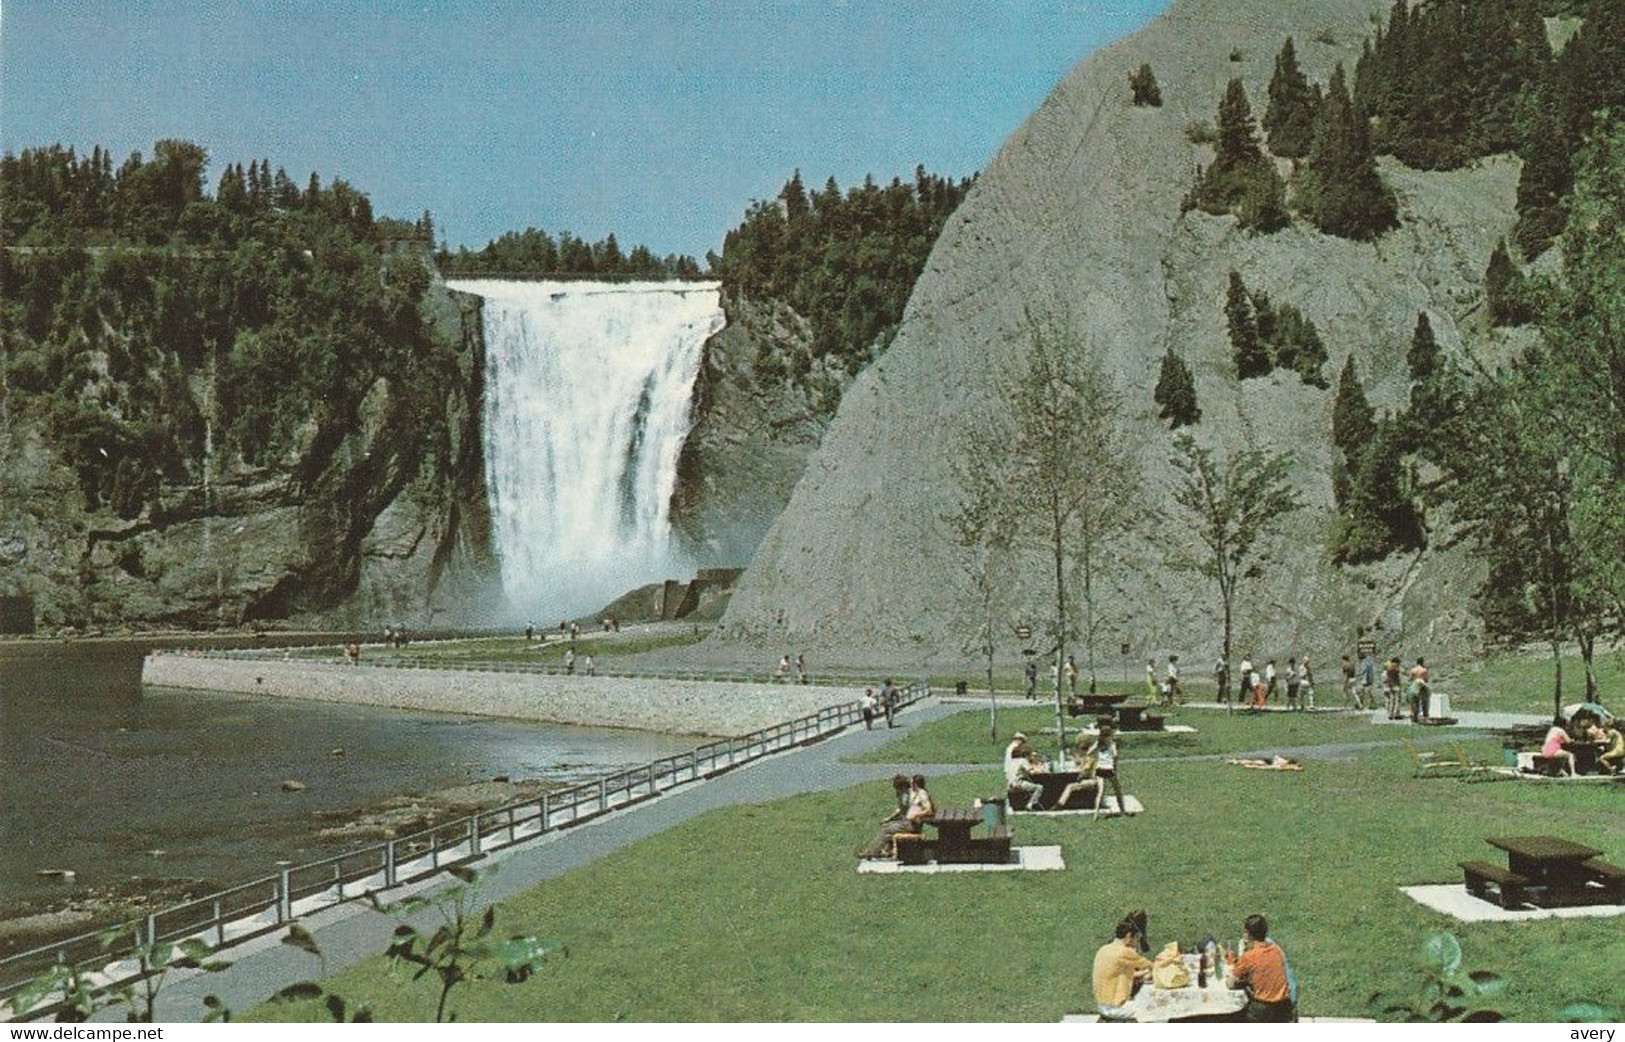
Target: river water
{"x": 96, "y": 773}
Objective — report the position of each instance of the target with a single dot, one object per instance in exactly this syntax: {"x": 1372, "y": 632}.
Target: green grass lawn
{"x": 1523, "y": 683}
{"x": 964, "y": 737}
{"x": 757, "y": 912}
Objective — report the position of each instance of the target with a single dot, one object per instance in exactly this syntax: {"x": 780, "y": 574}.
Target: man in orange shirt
{"x": 1262, "y": 971}
{"x": 1119, "y": 969}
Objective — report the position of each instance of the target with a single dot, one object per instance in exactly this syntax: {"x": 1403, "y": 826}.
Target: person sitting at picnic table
{"x": 1018, "y": 773}
{"x": 1261, "y": 970}
{"x": 1612, "y": 759}
{"x": 914, "y": 807}
{"x": 1119, "y": 971}
{"x": 1556, "y": 746}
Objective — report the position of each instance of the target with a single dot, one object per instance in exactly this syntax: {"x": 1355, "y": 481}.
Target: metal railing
{"x": 249, "y": 909}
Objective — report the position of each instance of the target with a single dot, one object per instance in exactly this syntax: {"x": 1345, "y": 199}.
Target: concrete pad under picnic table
{"x": 1166, "y": 729}
{"x": 1108, "y": 808}
{"x": 1453, "y": 900}
{"x": 1022, "y": 859}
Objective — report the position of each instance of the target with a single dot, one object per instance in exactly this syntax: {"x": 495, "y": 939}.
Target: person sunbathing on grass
{"x": 1274, "y": 763}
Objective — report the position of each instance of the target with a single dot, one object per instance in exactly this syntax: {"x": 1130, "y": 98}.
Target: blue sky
{"x": 658, "y": 121}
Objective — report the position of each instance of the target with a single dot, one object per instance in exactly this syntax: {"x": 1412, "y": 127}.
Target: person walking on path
{"x": 589, "y": 667}
{"x": 1244, "y": 683}
{"x": 888, "y": 701}
{"x": 1072, "y": 674}
{"x": 1031, "y": 676}
{"x": 1270, "y": 680}
{"x": 781, "y": 675}
{"x": 869, "y": 707}
{"x": 1292, "y": 684}
{"x": 1306, "y": 682}
{"x": 1153, "y": 693}
{"x": 801, "y": 668}
{"x": 1221, "y": 681}
{"x": 569, "y": 661}
{"x": 1171, "y": 695}
{"x": 1350, "y": 690}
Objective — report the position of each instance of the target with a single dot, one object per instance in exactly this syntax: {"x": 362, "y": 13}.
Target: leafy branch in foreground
{"x": 462, "y": 948}
{"x": 77, "y": 998}
{"x": 1448, "y": 994}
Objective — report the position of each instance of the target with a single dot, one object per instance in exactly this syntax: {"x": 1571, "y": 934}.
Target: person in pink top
{"x": 1556, "y": 740}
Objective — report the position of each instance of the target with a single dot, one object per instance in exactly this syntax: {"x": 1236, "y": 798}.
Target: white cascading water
{"x": 587, "y": 394}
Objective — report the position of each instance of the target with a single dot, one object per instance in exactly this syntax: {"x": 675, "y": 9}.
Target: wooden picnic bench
{"x": 1136, "y": 718}
{"x": 1093, "y": 705}
{"x": 1509, "y": 885}
{"x": 954, "y": 844}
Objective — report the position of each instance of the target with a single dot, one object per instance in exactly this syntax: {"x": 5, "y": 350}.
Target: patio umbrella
{"x": 1596, "y": 709}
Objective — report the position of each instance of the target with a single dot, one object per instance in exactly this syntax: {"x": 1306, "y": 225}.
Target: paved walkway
{"x": 351, "y": 933}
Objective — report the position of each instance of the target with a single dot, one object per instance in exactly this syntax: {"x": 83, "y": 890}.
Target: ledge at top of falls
{"x": 508, "y": 288}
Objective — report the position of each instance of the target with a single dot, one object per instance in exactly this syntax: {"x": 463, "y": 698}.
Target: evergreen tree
{"x": 1341, "y": 189}
{"x": 1504, "y": 289}
{"x": 1238, "y": 134}
{"x": 1380, "y": 515}
{"x": 1241, "y": 180}
{"x": 1262, "y": 206}
{"x": 1354, "y": 421}
{"x": 796, "y": 205}
{"x": 1422, "y": 357}
{"x": 1143, "y": 83}
{"x": 1175, "y": 393}
{"x": 1547, "y": 174}
{"x": 1289, "y": 120}
{"x": 1252, "y": 359}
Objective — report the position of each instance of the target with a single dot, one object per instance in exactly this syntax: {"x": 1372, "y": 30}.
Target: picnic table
{"x": 1054, "y": 783}
{"x": 1586, "y": 755}
{"x": 1154, "y": 1005}
{"x": 1549, "y": 871}
{"x": 1091, "y": 705}
{"x": 953, "y": 843}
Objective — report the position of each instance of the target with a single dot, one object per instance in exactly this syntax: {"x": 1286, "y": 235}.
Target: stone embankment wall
{"x": 670, "y": 706}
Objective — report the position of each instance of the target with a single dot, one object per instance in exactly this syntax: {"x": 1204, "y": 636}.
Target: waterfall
{"x": 587, "y": 393}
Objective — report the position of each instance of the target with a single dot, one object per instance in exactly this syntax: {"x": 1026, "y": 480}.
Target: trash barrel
{"x": 993, "y": 812}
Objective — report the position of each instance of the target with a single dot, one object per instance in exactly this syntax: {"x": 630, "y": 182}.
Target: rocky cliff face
{"x": 1079, "y": 215}
{"x": 752, "y": 433}
{"x": 357, "y": 530}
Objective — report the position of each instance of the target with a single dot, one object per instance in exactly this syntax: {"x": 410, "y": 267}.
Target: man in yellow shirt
{"x": 1119, "y": 968}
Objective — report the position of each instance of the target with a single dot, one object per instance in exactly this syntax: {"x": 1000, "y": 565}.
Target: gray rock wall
{"x": 1079, "y": 215}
